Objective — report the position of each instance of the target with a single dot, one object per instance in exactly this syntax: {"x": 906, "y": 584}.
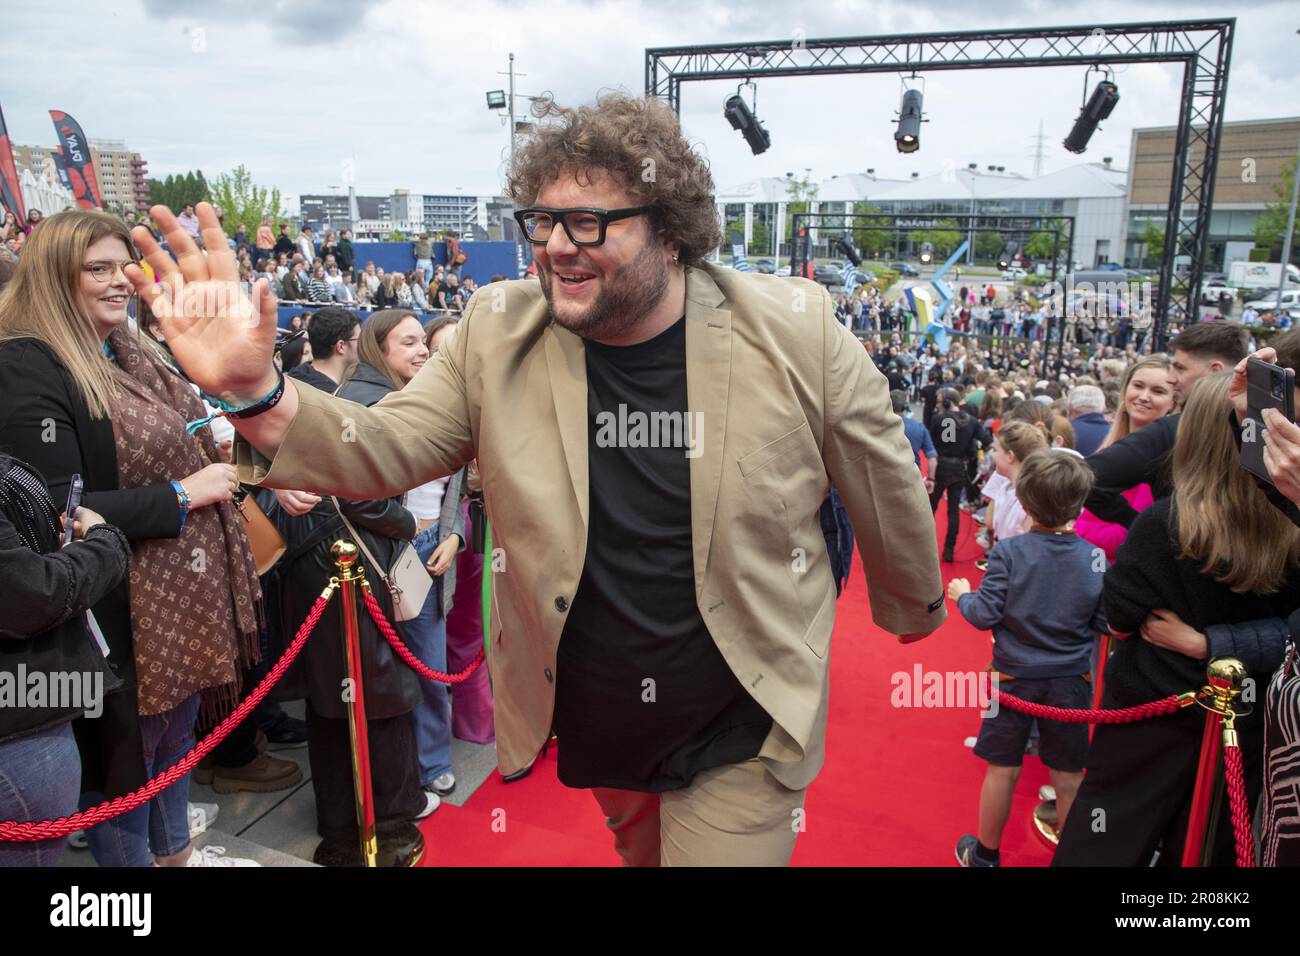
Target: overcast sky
{"x": 305, "y": 91}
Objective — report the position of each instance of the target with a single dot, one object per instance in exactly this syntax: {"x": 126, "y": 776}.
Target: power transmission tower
{"x": 1039, "y": 152}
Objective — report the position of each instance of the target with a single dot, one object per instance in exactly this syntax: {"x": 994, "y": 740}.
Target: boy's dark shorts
{"x": 1064, "y": 747}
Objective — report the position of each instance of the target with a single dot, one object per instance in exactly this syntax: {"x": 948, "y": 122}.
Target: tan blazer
{"x": 791, "y": 402}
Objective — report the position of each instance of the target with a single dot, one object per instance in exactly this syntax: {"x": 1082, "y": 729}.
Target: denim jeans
{"x": 426, "y": 635}
{"x": 163, "y": 824}
{"x": 40, "y": 776}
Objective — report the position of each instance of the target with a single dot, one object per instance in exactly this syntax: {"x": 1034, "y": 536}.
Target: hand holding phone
{"x": 74, "y": 502}
{"x": 82, "y": 522}
{"x": 1268, "y": 386}
{"x": 1282, "y": 454}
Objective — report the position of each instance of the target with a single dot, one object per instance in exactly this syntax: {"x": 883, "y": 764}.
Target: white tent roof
{"x": 1084, "y": 181}
{"x": 1081, "y": 181}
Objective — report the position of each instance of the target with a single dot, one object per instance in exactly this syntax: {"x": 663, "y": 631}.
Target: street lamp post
{"x": 1286, "y": 239}
{"x": 503, "y": 99}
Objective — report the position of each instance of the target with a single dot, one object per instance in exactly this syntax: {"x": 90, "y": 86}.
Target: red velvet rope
{"x": 404, "y": 652}
{"x": 1235, "y": 774}
{"x": 1124, "y": 715}
{"x": 12, "y": 831}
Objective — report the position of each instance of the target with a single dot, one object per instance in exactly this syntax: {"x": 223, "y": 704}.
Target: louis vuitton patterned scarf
{"x": 195, "y": 599}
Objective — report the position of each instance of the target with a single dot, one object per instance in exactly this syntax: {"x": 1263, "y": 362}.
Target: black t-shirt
{"x": 930, "y": 395}
{"x": 643, "y": 697}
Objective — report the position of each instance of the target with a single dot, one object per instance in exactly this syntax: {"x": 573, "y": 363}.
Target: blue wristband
{"x": 183, "y": 501}
{"x": 267, "y": 401}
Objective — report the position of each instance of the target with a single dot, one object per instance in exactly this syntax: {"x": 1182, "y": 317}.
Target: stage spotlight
{"x": 927, "y": 253}
{"x": 496, "y": 99}
{"x": 1098, "y": 107}
{"x": 908, "y": 136}
{"x": 741, "y": 117}
{"x": 1010, "y": 253}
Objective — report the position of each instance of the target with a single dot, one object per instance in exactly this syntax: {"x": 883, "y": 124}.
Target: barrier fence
{"x": 1219, "y": 697}
{"x": 350, "y": 576}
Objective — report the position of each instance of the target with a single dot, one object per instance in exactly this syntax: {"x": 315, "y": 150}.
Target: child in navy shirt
{"x": 1041, "y": 598}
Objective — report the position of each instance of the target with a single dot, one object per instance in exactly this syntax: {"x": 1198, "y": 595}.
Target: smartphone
{"x": 1267, "y": 386}
{"x": 74, "y": 502}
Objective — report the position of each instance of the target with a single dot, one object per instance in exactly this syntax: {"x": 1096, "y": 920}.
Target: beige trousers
{"x": 734, "y": 815}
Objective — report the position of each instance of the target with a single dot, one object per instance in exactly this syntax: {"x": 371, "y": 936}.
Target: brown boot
{"x": 264, "y": 775}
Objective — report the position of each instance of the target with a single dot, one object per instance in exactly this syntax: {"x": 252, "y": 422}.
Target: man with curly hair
{"x": 655, "y": 436}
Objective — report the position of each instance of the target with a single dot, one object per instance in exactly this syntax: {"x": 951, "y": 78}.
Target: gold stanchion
{"x": 1224, "y": 678}
{"x": 350, "y": 574}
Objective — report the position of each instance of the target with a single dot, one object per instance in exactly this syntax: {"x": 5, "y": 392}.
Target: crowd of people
{"x": 1112, "y": 501}
{"x": 1108, "y": 498}
{"x": 164, "y": 574}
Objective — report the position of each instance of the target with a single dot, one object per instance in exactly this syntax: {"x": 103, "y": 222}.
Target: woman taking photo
{"x": 44, "y": 632}
{"x": 392, "y": 351}
{"x": 1215, "y": 553}
{"x": 86, "y": 394}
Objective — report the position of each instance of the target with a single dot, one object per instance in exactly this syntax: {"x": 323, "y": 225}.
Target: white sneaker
{"x": 77, "y": 840}
{"x": 1047, "y": 792}
{"x": 431, "y": 802}
{"x": 444, "y": 784}
{"x": 202, "y": 816}
{"x": 969, "y": 742}
{"x": 216, "y": 856}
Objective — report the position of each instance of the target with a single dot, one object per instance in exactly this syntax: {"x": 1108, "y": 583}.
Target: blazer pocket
{"x": 764, "y": 456}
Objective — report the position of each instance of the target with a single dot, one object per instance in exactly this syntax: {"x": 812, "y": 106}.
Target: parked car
{"x": 905, "y": 268}
{"x": 766, "y": 266}
{"x": 1014, "y": 274}
{"x": 1290, "y": 300}
{"x": 1213, "y": 287}
{"x": 834, "y": 275}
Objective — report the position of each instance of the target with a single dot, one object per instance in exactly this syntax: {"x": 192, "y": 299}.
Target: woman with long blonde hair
{"x": 86, "y": 394}
{"x": 1145, "y": 396}
{"x": 1215, "y": 553}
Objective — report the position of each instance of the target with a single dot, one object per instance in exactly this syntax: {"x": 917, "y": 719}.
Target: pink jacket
{"x": 1105, "y": 534}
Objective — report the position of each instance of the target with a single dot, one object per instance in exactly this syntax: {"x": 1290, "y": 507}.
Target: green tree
{"x": 1042, "y": 243}
{"x": 988, "y": 244}
{"x": 1153, "y": 244}
{"x": 243, "y": 201}
{"x": 872, "y": 236}
{"x": 396, "y": 236}
{"x": 1270, "y": 225}
{"x": 177, "y": 192}
{"x": 760, "y": 237}
{"x": 944, "y": 235}
{"x": 800, "y": 193}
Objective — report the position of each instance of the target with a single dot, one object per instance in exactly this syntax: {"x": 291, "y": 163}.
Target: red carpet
{"x": 898, "y": 788}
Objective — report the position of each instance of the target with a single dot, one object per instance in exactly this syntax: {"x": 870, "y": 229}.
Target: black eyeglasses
{"x": 584, "y": 226}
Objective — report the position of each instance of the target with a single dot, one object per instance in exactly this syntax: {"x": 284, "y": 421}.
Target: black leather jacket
{"x": 48, "y": 590}
{"x": 293, "y": 585}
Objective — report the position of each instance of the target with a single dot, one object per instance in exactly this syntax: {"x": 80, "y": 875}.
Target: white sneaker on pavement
{"x": 216, "y": 856}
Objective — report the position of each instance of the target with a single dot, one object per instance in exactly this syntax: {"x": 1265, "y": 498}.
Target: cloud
{"x": 293, "y": 22}
{"x": 396, "y": 89}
